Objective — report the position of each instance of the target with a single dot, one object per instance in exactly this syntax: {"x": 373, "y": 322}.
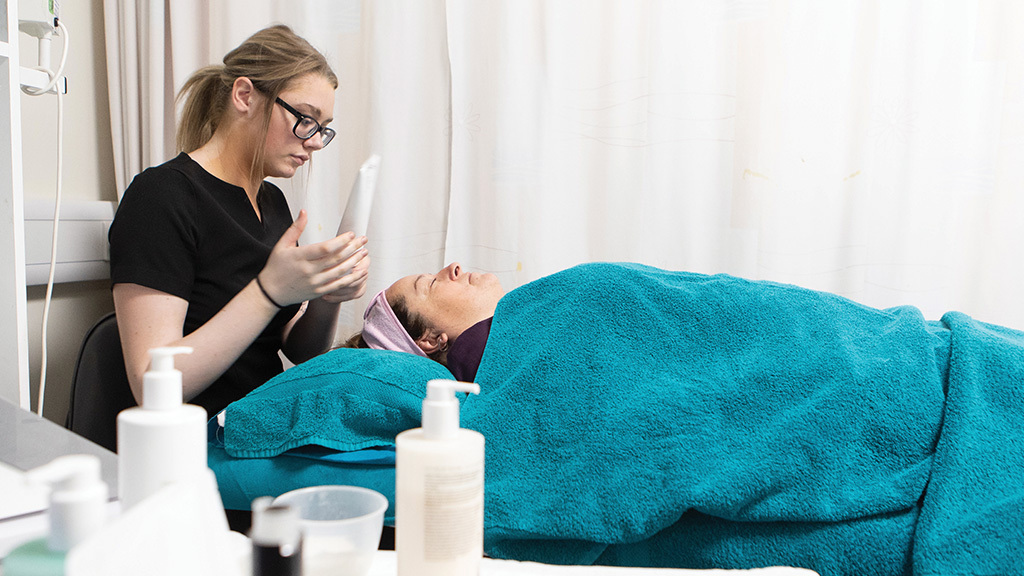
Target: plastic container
{"x": 439, "y": 490}
{"x": 340, "y": 525}
{"x": 164, "y": 440}
{"x": 78, "y": 509}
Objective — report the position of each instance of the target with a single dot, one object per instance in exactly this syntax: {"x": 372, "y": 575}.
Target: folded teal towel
{"x": 345, "y": 400}
{"x": 657, "y": 418}
{"x": 242, "y": 480}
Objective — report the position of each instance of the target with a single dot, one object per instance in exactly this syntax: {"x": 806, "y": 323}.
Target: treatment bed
{"x": 640, "y": 417}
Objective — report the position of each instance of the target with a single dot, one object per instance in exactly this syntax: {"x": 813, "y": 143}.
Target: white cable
{"x": 54, "y": 78}
{"x": 53, "y": 251}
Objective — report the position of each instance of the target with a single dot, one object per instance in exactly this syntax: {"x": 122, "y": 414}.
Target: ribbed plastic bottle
{"x": 164, "y": 440}
{"x": 439, "y": 489}
{"x": 78, "y": 509}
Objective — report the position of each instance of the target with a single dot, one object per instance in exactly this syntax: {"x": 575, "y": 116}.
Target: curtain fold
{"x": 141, "y": 99}
{"x": 870, "y": 149}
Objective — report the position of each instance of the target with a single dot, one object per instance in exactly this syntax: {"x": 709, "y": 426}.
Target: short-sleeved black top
{"x": 183, "y": 231}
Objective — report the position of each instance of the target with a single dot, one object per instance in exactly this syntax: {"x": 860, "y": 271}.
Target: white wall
{"x": 88, "y": 175}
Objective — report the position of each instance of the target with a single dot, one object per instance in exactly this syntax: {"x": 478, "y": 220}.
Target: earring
{"x": 443, "y": 347}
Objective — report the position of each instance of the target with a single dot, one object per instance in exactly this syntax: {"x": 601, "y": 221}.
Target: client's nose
{"x": 454, "y": 271}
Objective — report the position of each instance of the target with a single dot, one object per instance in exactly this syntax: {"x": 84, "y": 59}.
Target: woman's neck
{"x": 230, "y": 163}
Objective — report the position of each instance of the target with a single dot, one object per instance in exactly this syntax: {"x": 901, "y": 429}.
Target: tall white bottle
{"x": 439, "y": 490}
{"x": 164, "y": 440}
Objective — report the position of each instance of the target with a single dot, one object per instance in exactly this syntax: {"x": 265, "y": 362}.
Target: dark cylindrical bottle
{"x": 276, "y": 540}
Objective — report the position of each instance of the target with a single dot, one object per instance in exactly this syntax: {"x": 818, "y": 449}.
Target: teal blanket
{"x": 643, "y": 417}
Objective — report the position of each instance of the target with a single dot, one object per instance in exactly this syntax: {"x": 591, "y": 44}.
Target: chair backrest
{"x": 99, "y": 387}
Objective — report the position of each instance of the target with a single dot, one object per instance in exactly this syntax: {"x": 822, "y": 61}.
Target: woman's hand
{"x": 336, "y": 268}
{"x": 356, "y": 277}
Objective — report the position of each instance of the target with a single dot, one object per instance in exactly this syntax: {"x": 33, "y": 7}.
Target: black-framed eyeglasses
{"x": 306, "y": 126}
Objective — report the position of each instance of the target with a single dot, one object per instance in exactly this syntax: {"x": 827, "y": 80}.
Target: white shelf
{"x": 30, "y": 77}
{"x": 82, "y": 251}
{"x": 33, "y": 78}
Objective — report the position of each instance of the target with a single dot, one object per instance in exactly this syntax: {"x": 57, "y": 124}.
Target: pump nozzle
{"x": 441, "y": 408}
{"x": 161, "y": 385}
{"x": 440, "y": 390}
{"x": 77, "y": 499}
{"x": 162, "y": 359}
{"x": 69, "y": 472}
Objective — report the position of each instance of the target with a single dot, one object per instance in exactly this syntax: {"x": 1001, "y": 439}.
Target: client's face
{"x": 451, "y": 300}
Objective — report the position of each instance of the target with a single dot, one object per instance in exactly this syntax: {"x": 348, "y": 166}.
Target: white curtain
{"x": 872, "y": 149}
{"x": 141, "y": 98}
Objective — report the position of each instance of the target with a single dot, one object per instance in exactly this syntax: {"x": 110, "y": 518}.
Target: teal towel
{"x": 640, "y": 417}
{"x": 345, "y": 400}
{"x": 863, "y": 547}
{"x": 972, "y": 521}
{"x": 242, "y": 480}
{"x": 627, "y": 407}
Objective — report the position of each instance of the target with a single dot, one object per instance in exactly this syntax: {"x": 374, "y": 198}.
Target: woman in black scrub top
{"x": 203, "y": 251}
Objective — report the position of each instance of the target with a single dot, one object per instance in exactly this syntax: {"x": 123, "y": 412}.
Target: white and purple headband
{"x": 383, "y": 331}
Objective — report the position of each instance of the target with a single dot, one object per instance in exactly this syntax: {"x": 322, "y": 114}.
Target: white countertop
{"x": 385, "y": 564}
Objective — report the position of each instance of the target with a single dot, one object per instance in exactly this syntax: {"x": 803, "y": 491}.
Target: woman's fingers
{"x": 350, "y": 286}
{"x": 340, "y": 258}
{"x": 346, "y": 273}
{"x": 305, "y": 272}
{"x": 340, "y": 246}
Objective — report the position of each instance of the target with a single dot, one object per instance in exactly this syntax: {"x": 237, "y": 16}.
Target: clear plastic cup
{"x": 341, "y": 528}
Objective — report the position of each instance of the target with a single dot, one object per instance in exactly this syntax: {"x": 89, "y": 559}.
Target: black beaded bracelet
{"x": 264, "y": 290}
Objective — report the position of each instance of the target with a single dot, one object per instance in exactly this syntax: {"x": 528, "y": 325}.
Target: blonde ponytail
{"x": 207, "y": 95}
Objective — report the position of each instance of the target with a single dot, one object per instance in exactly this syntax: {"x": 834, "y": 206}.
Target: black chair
{"x": 99, "y": 387}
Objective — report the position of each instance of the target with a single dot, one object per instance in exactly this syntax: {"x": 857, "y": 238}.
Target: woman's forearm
{"x": 313, "y": 333}
{"x": 149, "y": 318}
{"x": 219, "y": 343}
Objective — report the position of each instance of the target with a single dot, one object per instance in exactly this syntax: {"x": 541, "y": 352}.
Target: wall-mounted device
{"x": 41, "y": 20}
{"x": 39, "y": 10}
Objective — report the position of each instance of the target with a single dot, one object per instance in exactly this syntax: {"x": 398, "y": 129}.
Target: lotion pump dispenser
{"x": 78, "y": 509}
{"x": 439, "y": 489}
{"x": 164, "y": 440}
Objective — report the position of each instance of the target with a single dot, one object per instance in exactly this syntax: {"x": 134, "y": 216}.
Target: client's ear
{"x": 432, "y": 341}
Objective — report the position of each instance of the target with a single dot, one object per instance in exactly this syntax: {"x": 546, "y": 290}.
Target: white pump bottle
{"x": 164, "y": 440}
{"x": 78, "y": 509}
{"x": 439, "y": 489}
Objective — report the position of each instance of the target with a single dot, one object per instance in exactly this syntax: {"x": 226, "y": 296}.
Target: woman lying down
{"x": 637, "y": 416}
